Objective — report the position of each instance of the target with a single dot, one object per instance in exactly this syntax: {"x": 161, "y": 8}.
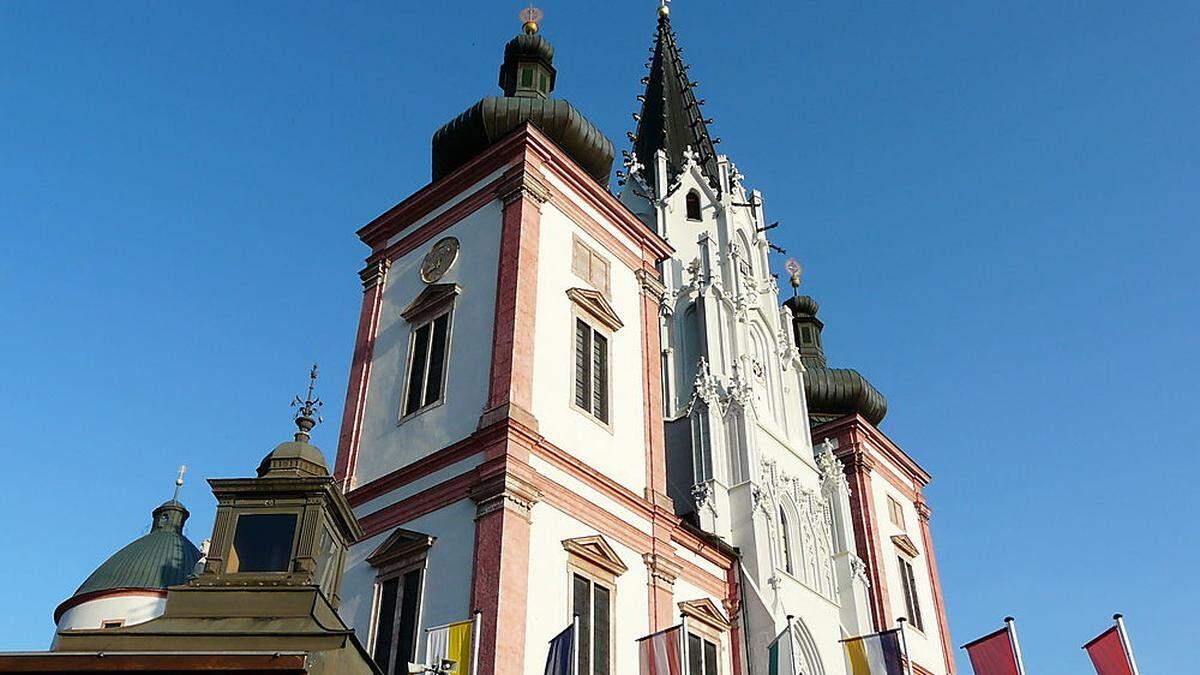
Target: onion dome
{"x": 527, "y": 78}
{"x": 831, "y": 392}
{"x": 161, "y": 558}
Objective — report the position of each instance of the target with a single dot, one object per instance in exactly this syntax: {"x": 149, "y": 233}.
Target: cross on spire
{"x": 306, "y": 414}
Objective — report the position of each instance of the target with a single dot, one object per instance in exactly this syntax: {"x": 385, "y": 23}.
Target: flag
{"x": 993, "y": 654}
{"x": 781, "y": 653}
{"x": 876, "y": 654}
{"x": 455, "y": 641}
{"x": 1111, "y": 651}
{"x": 561, "y": 659}
{"x": 661, "y": 653}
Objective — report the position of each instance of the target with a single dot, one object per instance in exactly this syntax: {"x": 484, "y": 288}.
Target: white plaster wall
{"x": 133, "y": 609}
{"x": 549, "y": 609}
{"x": 447, "y": 595}
{"x": 925, "y": 646}
{"x": 387, "y": 445}
{"x": 619, "y": 449}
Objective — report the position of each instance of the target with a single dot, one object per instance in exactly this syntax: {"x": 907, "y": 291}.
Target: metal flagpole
{"x": 478, "y": 625}
{"x": 574, "y": 645}
{"x": 1126, "y": 643}
{"x": 792, "y": 645}
{"x": 683, "y": 642}
{"x": 1011, "y": 623}
{"x": 904, "y": 644}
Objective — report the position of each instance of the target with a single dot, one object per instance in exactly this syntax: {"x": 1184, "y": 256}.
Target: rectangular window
{"x": 112, "y": 623}
{"x": 427, "y": 363}
{"x": 396, "y": 622}
{"x": 591, "y": 370}
{"x": 263, "y": 542}
{"x": 589, "y": 266}
{"x": 702, "y": 656}
{"x": 909, "y": 582}
{"x": 592, "y": 603}
{"x": 896, "y": 512}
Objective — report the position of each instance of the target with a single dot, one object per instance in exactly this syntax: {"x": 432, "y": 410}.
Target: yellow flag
{"x": 456, "y": 642}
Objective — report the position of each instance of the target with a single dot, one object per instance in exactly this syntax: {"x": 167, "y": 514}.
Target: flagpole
{"x": 574, "y": 645}
{"x": 683, "y": 642}
{"x": 904, "y": 644}
{"x": 1011, "y": 624}
{"x": 475, "y": 628}
{"x": 1126, "y": 643}
{"x": 792, "y": 645}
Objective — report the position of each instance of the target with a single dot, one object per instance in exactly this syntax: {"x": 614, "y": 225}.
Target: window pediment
{"x": 596, "y": 551}
{"x": 596, "y": 306}
{"x": 434, "y": 297}
{"x": 401, "y": 547}
{"x": 705, "y": 611}
{"x": 906, "y": 545}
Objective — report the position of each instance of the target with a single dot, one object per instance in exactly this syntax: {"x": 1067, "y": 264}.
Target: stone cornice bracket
{"x": 504, "y": 491}
{"x": 650, "y": 285}
{"x": 662, "y": 570}
{"x": 523, "y": 185}
{"x": 923, "y": 510}
{"x": 374, "y": 273}
{"x": 857, "y": 461}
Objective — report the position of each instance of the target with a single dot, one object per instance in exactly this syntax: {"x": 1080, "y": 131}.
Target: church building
{"x": 564, "y": 402}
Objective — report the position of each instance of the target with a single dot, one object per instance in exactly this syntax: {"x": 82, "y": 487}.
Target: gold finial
{"x": 530, "y": 16}
{"x": 179, "y": 482}
{"x": 664, "y": 8}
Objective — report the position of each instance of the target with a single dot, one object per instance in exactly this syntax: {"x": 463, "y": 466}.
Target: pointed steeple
{"x": 671, "y": 119}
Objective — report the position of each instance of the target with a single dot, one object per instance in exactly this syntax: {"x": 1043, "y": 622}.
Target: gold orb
{"x": 664, "y": 10}
{"x": 531, "y": 27}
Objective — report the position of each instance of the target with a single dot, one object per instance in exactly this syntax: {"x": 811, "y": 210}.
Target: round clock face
{"x": 439, "y": 259}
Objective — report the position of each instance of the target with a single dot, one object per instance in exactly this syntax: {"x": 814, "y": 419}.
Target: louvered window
{"x": 427, "y": 363}
{"x": 592, "y": 603}
{"x": 908, "y": 581}
{"x": 397, "y": 617}
{"x": 702, "y": 656}
{"x": 591, "y": 370}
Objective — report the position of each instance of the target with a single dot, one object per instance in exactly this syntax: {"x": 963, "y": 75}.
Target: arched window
{"x": 785, "y": 541}
{"x": 693, "y": 205}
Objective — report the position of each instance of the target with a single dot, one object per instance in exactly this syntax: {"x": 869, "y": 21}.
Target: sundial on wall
{"x": 439, "y": 260}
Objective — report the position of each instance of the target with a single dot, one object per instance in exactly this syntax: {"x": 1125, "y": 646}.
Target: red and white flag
{"x": 1110, "y": 651}
{"x": 996, "y": 653}
{"x": 661, "y": 653}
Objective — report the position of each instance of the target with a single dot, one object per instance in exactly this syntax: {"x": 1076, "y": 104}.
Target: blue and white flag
{"x": 562, "y": 659}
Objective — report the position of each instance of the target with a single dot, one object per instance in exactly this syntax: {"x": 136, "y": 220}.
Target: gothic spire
{"x": 671, "y": 119}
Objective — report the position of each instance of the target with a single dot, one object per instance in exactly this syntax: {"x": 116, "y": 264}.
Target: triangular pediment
{"x": 596, "y": 305}
{"x": 906, "y": 545}
{"x": 705, "y": 610}
{"x": 400, "y": 546}
{"x": 597, "y": 551}
{"x": 434, "y": 297}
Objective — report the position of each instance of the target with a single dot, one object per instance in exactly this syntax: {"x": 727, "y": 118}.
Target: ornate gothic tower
{"x": 502, "y": 443}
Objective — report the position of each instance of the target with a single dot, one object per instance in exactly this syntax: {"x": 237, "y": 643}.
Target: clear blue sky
{"x": 996, "y": 204}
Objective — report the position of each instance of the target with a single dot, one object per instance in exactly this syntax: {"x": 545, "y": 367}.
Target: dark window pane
{"x": 416, "y": 370}
{"x": 543, "y": 83}
{"x": 582, "y": 608}
{"x": 710, "y": 658}
{"x": 384, "y": 624}
{"x": 602, "y": 630}
{"x": 806, "y": 334}
{"x": 693, "y": 205}
{"x": 437, "y": 359}
{"x": 526, "y": 77}
{"x": 263, "y": 542}
{"x": 583, "y": 365}
{"x": 406, "y": 641}
{"x": 600, "y": 379}
{"x": 695, "y": 655}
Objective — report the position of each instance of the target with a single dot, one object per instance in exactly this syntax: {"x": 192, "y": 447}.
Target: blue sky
{"x": 996, "y": 204}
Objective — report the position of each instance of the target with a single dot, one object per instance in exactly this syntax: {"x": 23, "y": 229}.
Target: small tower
{"x": 290, "y": 526}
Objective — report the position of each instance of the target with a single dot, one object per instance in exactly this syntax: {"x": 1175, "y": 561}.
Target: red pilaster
{"x": 935, "y": 583}
{"x": 656, "y": 453}
{"x": 374, "y": 278}
{"x": 661, "y": 574}
{"x": 866, "y": 534}
{"x": 511, "y": 378}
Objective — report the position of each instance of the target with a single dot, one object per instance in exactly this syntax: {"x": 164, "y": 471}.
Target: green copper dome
{"x": 161, "y": 558}
{"x": 527, "y": 77}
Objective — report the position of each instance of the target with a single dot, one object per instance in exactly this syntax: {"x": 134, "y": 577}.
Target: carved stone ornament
{"x": 439, "y": 260}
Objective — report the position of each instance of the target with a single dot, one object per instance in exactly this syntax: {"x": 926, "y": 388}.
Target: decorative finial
{"x": 179, "y": 482}
{"x": 306, "y": 416}
{"x": 530, "y": 16}
{"x": 664, "y": 8}
{"x": 795, "y": 270}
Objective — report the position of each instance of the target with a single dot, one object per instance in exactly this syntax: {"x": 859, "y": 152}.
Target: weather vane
{"x": 795, "y": 270}
{"x": 306, "y": 414}
{"x": 530, "y": 16}
{"x": 179, "y": 482}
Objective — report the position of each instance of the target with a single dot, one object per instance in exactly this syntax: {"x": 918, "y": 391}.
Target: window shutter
{"x": 601, "y": 629}
{"x": 582, "y": 607}
{"x": 710, "y": 658}
{"x": 437, "y": 360}
{"x": 695, "y": 655}
{"x": 416, "y": 374}
{"x": 600, "y": 378}
{"x": 583, "y": 365}
{"x": 406, "y": 641}
{"x": 385, "y": 624}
